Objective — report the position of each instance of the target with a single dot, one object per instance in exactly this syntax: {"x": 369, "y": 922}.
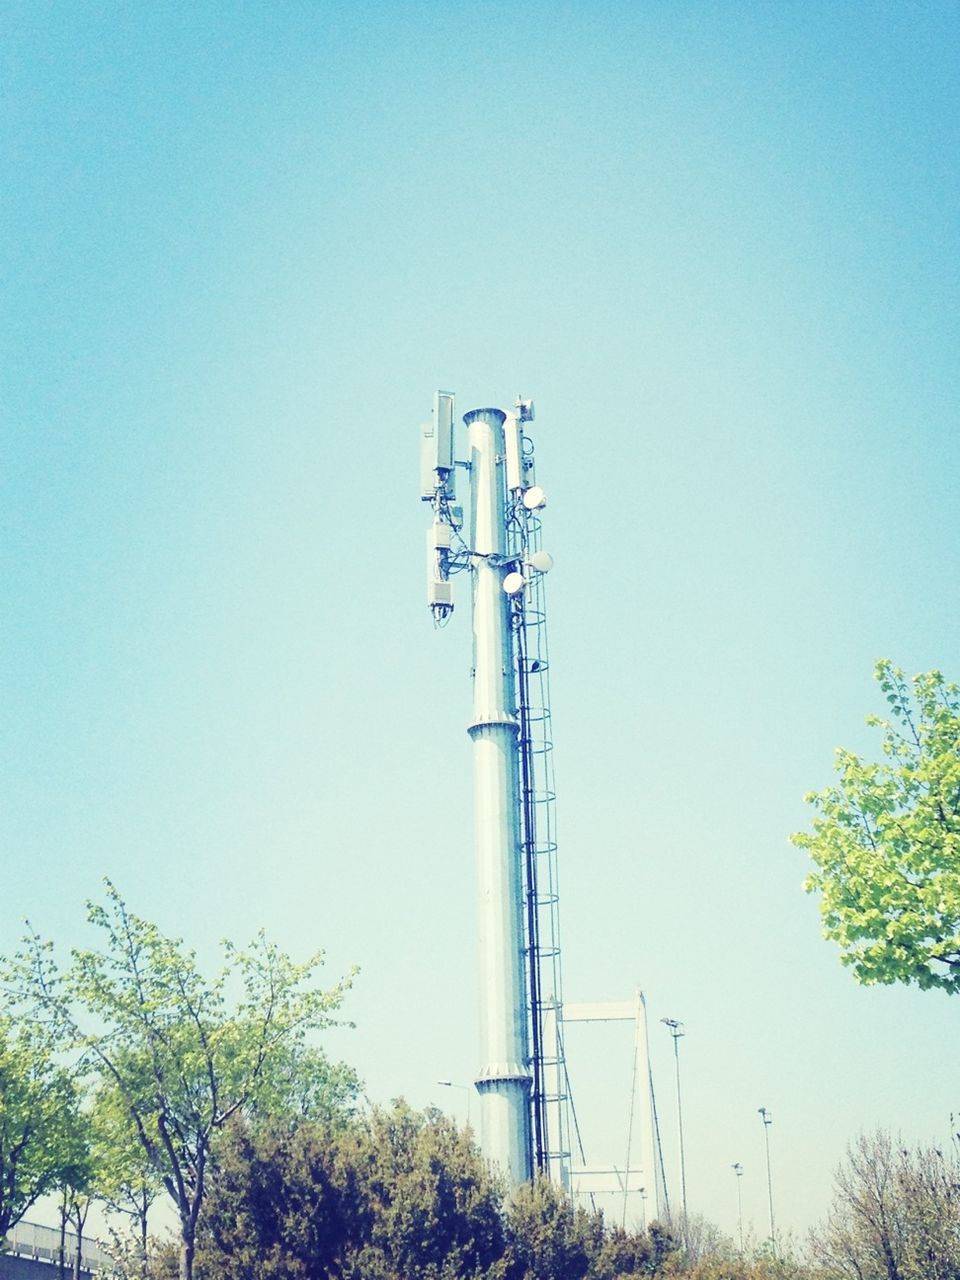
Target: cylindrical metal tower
{"x": 503, "y": 1081}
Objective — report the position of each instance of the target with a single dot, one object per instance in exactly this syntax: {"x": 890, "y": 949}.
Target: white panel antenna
{"x": 511, "y": 452}
{"x": 437, "y": 466}
{"x": 428, "y": 456}
{"x": 445, "y": 546}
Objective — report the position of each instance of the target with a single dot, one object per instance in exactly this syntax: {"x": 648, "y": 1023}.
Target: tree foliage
{"x": 396, "y": 1195}
{"x": 40, "y": 1144}
{"x": 549, "y": 1237}
{"x": 126, "y": 1185}
{"x": 435, "y": 1202}
{"x": 301, "y": 1083}
{"x": 183, "y": 1053}
{"x": 895, "y": 1216}
{"x": 886, "y": 841}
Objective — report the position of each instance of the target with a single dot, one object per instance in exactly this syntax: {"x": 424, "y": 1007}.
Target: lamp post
{"x": 676, "y": 1030}
{"x": 767, "y": 1119}
{"x": 452, "y": 1084}
{"x": 738, "y": 1170}
{"x": 643, "y": 1208}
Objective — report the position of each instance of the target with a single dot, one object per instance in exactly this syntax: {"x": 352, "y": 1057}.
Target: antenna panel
{"x": 428, "y": 451}
{"x": 443, "y": 428}
{"x": 436, "y": 448}
{"x": 511, "y": 450}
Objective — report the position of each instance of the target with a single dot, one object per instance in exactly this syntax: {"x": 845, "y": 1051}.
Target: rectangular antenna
{"x": 511, "y": 451}
{"x": 436, "y": 448}
{"x": 428, "y": 457}
{"x": 443, "y": 429}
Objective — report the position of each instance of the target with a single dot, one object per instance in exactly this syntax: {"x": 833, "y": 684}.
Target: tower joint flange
{"x": 496, "y": 720}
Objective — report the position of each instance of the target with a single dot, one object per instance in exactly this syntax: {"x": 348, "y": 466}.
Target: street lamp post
{"x": 676, "y": 1030}
{"x": 452, "y": 1084}
{"x": 738, "y": 1170}
{"x": 767, "y": 1119}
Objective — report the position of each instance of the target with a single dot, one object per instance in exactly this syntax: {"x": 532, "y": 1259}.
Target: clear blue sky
{"x": 242, "y": 244}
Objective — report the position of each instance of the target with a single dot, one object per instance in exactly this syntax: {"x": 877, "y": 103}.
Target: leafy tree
{"x": 664, "y": 1246}
{"x": 182, "y": 1057}
{"x": 886, "y": 841}
{"x": 551, "y": 1238}
{"x": 437, "y": 1202}
{"x": 76, "y": 1198}
{"x": 126, "y": 1184}
{"x": 895, "y": 1216}
{"x": 38, "y": 1128}
{"x": 283, "y": 1203}
{"x": 631, "y": 1253}
{"x": 301, "y": 1083}
{"x": 77, "y": 1186}
{"x": 396, "y": 1193}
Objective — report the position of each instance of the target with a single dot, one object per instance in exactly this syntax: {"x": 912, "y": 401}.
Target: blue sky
{"x": 242, "y": 245}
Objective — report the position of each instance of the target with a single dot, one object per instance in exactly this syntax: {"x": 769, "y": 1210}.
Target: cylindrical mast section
{"x": 503, "y": 1081}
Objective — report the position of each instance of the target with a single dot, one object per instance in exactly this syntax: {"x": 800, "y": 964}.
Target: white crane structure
{"x": 522, "y": 1079}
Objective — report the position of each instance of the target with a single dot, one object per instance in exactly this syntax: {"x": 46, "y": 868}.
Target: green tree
{"x": 400, "y": 1195}
{"x": 437, "y": 1204}
{"x": 76, "y": 1197}
{"x": 886, "y": 841}
{"x": 75, "y": 1183}
{"x": 181, "y": 1054}
{"x": 395, "y": 1193}
{"x": 633, "y": 1253}
{"x": 284, "y": 1204}
{"x": 38, "y": 1128}
{"x": 126, "y": 1184}
{"x": 301, "y": 1083}
{"x": 550, "y": 1238}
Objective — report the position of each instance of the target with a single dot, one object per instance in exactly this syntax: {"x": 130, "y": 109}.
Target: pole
{"x": 738, "y": 1170}
{"x": 767, "y": 1122}
{"x": 676, "y": 1030}
{"x": 643, "y": 1081}
{"x": 467, "y": 1089}
{"x": 503, "y": 1080}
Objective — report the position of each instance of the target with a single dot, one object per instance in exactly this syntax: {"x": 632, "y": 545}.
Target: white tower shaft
{"x": 503, "y": 1081}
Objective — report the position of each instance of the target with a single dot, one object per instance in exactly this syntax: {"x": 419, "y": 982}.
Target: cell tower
{"x": 522, "y": 1077}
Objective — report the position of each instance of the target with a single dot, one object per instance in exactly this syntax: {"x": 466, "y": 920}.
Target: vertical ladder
{"x": 549, "y": 1095}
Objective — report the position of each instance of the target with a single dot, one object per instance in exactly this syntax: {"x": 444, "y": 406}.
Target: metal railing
{"x": 31, "y": 1240}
